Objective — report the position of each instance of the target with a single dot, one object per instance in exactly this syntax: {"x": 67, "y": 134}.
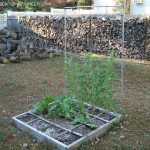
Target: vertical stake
{"x": 49, "y": 34}
{"x": 146, "y": 40}
{"x": 65, "y": 48}
{"x": 90, "y": 28}
{"x": 122, "y": 64}
{"x": 65, "y": 35}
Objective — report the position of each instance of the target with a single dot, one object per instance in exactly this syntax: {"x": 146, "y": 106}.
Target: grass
{"x": 43, "y": 81}
{"x": 1, "y": 135}
{"x": 24, "y": 84}
{"x": 9, "y": 83}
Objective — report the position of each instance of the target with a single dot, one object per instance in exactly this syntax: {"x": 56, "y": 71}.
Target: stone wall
{"x": 97, "y": 33}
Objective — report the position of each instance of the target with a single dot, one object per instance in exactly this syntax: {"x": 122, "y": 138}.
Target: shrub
{"x": 85, "y": 2}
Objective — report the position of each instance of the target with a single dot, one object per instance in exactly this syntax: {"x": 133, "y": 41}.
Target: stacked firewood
{"x": 16, "y": 50}
{"x": 43, "y": 30}
{"x": 8, "y": 45}
{"x": 97, "y": 33}
{"x": 40, "y": 37}
{"x": 148, "y": 43}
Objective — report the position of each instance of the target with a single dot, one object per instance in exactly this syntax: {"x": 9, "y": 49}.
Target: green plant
{"x": 68, "y": 106}
{"x": 4, "y": 93}
{"x": 85, "y": 2}
{"x": 22, "y": 5}
{"x": 43, "y": 81}
{"x": 64, "y": 106}
{"x": 10, "y": 83}
{"x": 43, "y": 106}
{"x": 3, "y": 121}
{"x": 2, "y": 135}
{"x": 91, "y": 80}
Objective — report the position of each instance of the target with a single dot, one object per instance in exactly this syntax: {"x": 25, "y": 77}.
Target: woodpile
{"x": 16, "y": 50}
{"x": 97, "y": 33}
{"x": 148, "y": 44}
{"x": 43, "y": 31}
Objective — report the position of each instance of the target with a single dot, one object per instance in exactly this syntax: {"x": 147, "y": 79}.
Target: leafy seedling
{"x": 43, "y": 106}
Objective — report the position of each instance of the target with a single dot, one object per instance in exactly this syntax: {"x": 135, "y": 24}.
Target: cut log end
{"x": 4, "y": 60}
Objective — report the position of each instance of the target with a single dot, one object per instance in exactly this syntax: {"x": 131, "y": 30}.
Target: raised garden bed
{"x": 61, "y": 132}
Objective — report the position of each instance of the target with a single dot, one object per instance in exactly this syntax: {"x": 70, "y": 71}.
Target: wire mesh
{"x": 87, "y": 35}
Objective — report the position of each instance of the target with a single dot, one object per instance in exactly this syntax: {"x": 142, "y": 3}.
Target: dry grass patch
{"x": 21, "y": 85}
